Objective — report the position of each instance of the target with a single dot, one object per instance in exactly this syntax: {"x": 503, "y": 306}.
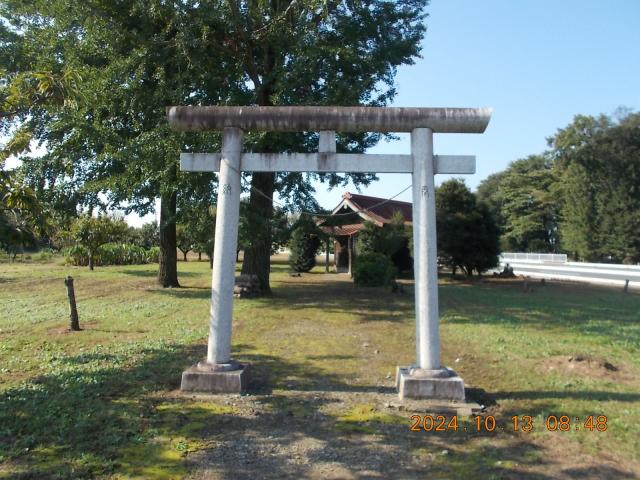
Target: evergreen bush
{"x": 373, "y": 270}
{"x": 304, "y": 245}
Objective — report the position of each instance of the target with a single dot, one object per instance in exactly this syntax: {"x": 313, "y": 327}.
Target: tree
{"x": 598, "y": 163}
{"x": 91, "y": 232}
{"x": 304, "y": 244}
{"x": 21, "y": 214}
{"x": 488, "y": 192}
{"x": 316, "y": 53}
{"x": 135, "y": 58}
{"x": 390, "y": 240}
{"x": 205, "y": 234}
{"x": 278, "y": 225}
{"x": 185, "y": 239}
{"x": 147, "y": 235}
{"x": 280, "y": 230}
{"x": 197, "y": 213}
{"x": 369, "y": 239}
{"x": 468, "y": 237}
{"x": 523, "y": 200}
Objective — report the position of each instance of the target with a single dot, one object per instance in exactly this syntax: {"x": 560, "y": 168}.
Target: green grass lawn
{"x": 104, "y": 402}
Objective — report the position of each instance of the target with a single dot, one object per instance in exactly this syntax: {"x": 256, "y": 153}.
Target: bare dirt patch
{"x": 574, "y": 463}
{"x": 351, "y": 435}
{"x": 587, "y": 366}
{"x": 66, "y": 330}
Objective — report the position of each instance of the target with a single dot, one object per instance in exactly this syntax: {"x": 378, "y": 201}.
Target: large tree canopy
{"x": 598, "y": 167}
{"x": 522, "y": 200}
{"x": 580, "y": 197}
{"x": 136, "y": 57}
{"x": 133, "y": 58}
{"x": 316, "y": 53}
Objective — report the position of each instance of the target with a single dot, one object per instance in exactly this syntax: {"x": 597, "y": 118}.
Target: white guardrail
{"x": 538, "y": 257}
{"x": 555, "y": 266}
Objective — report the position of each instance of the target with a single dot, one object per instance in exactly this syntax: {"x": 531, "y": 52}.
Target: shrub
{"x": 153, "y": 255}
{"x": 121, "y": 254}
{"x": 373, "y": 269}
{"x": 44, "y": 256}
{"x": 113, "y": 254}
{"x": 78, "y": 256}
{"x": 304, "y": 245}
{"x": 392, "y": 240}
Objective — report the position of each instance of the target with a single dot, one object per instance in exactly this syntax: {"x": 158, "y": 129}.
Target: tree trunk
{"x": 90, "y": 260}
{"x": 257, "y": 254}
{"x": 168, "y": 259}
{"x": 199, "y": 256}
{"x": 185, "y": 255}
{"x": 210, "y": 255}
{"x": 73, "y": 311}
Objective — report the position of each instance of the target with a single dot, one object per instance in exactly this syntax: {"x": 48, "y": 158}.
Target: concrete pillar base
{"x": 208, "y": 378}
{"x": 443, "y": 384}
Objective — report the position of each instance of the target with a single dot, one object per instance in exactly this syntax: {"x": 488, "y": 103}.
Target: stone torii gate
{"x": 427, "y": 378}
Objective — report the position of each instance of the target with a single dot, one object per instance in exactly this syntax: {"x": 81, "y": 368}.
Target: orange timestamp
{"x": 517, "y": 423}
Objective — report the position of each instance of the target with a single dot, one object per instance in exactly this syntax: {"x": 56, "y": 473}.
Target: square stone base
{"x": 450, "y": 387}
{"x": 195, "y": 379}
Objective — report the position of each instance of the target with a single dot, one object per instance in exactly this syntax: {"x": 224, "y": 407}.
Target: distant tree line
{"x": 581, "y": 197}
{"x": 97, "y": 240}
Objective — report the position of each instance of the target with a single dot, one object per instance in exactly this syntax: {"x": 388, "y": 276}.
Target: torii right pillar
{"x": 427, "y": 378}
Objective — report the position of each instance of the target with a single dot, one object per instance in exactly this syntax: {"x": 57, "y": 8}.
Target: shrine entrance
{"x": 427, "y": 378}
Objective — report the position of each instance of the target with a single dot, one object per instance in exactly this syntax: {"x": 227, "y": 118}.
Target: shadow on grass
{"x": 370, "y": 304}
{"x": 595, "y": 472}
{"x": 89, "y": 358}
{"x": 77, "y": 423}
{"x": 201, "y": 293}
{"x": 585, "y": 311}
{"x": 153, "y": 273}
{"x": 95, "y": 417}
{"x": 269, "y": 372}
{"x": 589, "y": 395}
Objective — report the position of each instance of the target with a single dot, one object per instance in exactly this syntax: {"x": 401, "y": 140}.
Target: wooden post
{"x": 326, "y": 258}
{"x": 75, "y": 323}
{"x": 350, "y": 254}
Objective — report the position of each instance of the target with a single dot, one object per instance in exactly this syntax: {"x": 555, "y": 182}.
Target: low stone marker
{"x": 246, "y": 286}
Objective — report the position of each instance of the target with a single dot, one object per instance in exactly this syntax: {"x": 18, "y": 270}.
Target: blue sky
{"x": 537, "y": 63}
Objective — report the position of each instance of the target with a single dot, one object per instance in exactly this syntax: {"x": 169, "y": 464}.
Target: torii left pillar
{"x": 219, "y": 373}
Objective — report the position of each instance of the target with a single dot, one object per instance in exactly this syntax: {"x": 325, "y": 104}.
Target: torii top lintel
{"x": 342, "y": 119}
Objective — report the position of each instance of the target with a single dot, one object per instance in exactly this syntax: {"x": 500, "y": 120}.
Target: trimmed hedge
{"x": 113, "y": 254}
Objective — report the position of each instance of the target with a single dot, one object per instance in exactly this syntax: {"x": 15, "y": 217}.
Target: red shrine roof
{"x": 374, "y": 209}
{"x": 344, "y": 229}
